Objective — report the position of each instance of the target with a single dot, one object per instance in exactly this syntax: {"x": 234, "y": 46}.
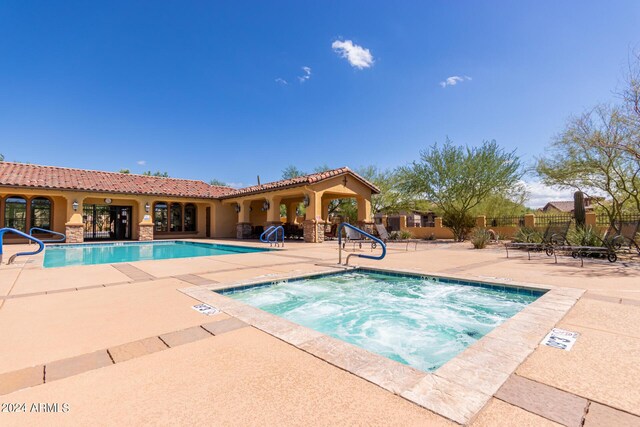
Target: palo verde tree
{"x": 587, "y": 156}
{"x": 631, "y": 106}
{"x": 390, "y": 199}
{"x": 456, "y": 179}
{"x": 217, "y": 182}
{"x": 156, "y": 174}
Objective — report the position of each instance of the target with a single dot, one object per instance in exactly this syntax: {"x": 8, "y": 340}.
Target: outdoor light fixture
{"x": 237, "y": 207}
{"x": 265, "y": 205}
{"x": 306, "y": 201}
{"x": 146, "y": 207}
{"x": 75, "y": 205}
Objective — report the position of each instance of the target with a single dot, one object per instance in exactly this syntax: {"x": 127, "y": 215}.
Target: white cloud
{"x": 358, "y": 56}
{"x": 540, "y": 194}
{"x": 141, "y": 162}
{"x": 307, "y": 74}
{"x": 281, "y": 81}
{"x": 454, "y": 80}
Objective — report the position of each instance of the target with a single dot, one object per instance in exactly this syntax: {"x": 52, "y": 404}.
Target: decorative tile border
{"x": 457, "y": 390}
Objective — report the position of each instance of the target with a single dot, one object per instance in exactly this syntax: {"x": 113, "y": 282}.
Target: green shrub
{"x": 527, "y": 235}
{"x": 584, "y": 236}
{"x": 405, "y": 234}
{"x": 394, "y": 235}
{"x": 480, "y": 237}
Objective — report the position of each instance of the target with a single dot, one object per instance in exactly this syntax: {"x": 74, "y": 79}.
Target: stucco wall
{"x": 223, "y": 220}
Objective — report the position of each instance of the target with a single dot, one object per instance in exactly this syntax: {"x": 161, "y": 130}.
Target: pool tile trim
{"x": 454, "y": 390}
{"x": 232, "y": 249}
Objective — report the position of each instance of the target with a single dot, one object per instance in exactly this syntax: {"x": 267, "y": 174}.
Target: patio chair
{"x": 352, "y": 236}
{"x": 582, "y": 250}
{"x": 384, "y": 236}
{"x": 332, "y": 233}
{"x": 628, "y": 235}
{"x": 554, "y": 235}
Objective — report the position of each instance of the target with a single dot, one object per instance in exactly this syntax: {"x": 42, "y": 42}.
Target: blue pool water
{"x": 421, "y": 322}
{"x": 107, "y": 253}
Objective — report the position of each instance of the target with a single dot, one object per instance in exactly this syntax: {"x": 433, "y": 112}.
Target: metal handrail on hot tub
{"x": 364, "y": 233}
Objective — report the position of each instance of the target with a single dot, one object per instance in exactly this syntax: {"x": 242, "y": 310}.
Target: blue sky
{"x": 196, "y": 88}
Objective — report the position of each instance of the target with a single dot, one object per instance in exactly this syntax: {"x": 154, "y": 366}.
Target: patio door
{"x": 105, "y": 222}
{"x": 121, "y": 219}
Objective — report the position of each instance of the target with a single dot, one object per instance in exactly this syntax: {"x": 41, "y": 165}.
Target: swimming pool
{"x": 107, "y": 253}
{"x": 419, "y": 321}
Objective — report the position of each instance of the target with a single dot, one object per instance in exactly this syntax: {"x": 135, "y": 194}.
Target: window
{"x": 41, "y": 213}
{"x": 15, "y": 213}
{"x": 190, "y": 217}
{"x": 176, "y": 217}
{"x": 161, "y": 217}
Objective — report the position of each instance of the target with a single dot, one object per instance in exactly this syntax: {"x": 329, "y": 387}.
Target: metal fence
{"x": 604, "y": 220}
{"x": 517, "y": 221}
{"x": 544, "y": 220}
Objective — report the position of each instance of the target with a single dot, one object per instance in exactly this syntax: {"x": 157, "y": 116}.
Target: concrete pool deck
{"x": 62, "y": 322}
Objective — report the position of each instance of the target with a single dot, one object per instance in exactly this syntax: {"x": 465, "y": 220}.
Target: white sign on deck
{"x": 206, "y": 309}
{"x": 560, "y": 338}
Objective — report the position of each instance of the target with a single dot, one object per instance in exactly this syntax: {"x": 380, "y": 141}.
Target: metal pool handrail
{"x": 62, "y": 238}
{"x": 364, "y": 233}
{"x": 19, "y": 233}
{"x": 265, "y": 237}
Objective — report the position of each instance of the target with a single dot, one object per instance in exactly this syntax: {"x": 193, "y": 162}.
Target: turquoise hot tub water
{"x": 422, "y": 322}
{"x": 107, "y": 253}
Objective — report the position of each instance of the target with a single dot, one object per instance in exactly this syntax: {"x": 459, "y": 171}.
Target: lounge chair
{"x": 384, "y": 236}
{"x": 353, "y": 237}
{"x": 606, "y": 248}
{"x": 554, "y": 235}
{"x": 628, "y": 235}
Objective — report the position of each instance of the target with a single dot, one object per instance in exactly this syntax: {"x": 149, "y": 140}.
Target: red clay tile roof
{"x": 26, "y": 175}
{"x": 301, "y": 180}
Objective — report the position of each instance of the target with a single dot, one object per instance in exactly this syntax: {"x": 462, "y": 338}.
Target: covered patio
{"x": 300, "y": 205}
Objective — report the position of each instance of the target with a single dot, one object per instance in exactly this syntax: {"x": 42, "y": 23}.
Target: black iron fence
{"x": 544, "y": 220}
{"x": 503, "y": 221}
{"x": 604, "y": 220}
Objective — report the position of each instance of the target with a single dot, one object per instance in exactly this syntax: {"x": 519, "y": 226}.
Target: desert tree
{"x": 587, "y": 156}
{"x": 456, "y": 179}
{"x": 156, "y": 174}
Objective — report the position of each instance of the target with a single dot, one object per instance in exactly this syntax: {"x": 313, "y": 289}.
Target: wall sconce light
{"x": 265, "y": 205}
{"x": 237, "y": 207}
{"x": 306, "y": 201}
{"x": 147, "y": 207}
{"x": 75, "y": 205}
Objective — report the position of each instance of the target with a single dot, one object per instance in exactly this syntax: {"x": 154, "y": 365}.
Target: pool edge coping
{"x": 460, "y": 388}
{"x": 38, "y": 260}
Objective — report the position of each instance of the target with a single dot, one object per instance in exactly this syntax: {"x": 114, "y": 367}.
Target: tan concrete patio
{"x": 246, "y": 376}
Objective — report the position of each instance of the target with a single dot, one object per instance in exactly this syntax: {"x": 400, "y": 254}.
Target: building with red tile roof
{"x": 93, "y": 205}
